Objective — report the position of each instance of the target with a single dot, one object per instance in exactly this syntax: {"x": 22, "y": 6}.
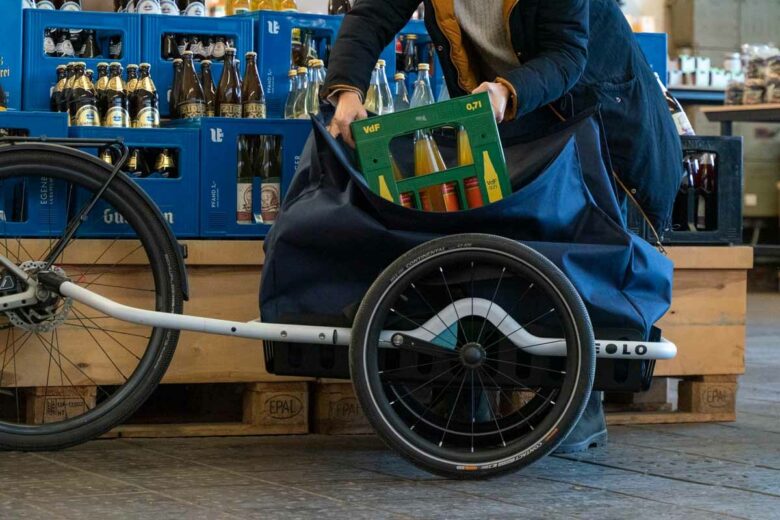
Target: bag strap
{"x": 628, "y": 193}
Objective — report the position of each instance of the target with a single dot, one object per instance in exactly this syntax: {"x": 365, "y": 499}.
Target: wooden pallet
{"x": 699, "y": 399}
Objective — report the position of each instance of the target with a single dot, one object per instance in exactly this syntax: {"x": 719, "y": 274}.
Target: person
{"x": 540, "y": 61}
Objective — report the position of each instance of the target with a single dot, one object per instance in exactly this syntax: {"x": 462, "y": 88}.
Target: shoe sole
{"x": 597, "y": 440}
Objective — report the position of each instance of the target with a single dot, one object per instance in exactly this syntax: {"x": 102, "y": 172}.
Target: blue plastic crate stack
{"x": 202, "y": 198}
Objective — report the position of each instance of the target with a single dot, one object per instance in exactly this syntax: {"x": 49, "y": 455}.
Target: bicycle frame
{"x": 437, "y": 332}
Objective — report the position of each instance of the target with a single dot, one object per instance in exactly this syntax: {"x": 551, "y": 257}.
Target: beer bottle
{"x": 191, "y": 102}
{"x": 401, "y": 96}
{"x": 165, "y": 166}
{"x": 49, "y": 43}
{"x": 91, "y": 76}
{"x": 209, "y": 91}
{"x": 244, "y": 180}
{"x": 308, "y": 48}
{"x": 90, "y": 48}
{"x": 100, "y": 87}
{"x": 70, "y": 76}
{"x": 253, "y": 96}
{"x": 229, "y": 90}
{"x": 219, "y": 49}
{"x": 71, "y": 5}
{"x": 115, "y": 47}
{"x": 182, "y": 43}
{"x": 173, "y": 102}
{"x": 195, "y": 8}
{"x": 315, "y": 85}
{"x": 83, "y": 110}
{"x": 262, "y": 5}
{"x": 117, "y": 114}
{"x": 208, "y": 48}
{"x": 56, "y": 93}
{"x": 301, "y": 108}
{"x": 169, "y": 7}
{"x": 106, "y": 155}
{"x": 297, "y": 57}
{"x": 145, "y": 100}
{"x": 64, "y": 47}
{"x": 430, "y": 51}
{"x": 410, "y": 54}
{"x": 196, "y": 46}
{"x": 240, "y": 6}
{"x": 681, "y": 120}
{"x": 339, "y": 6}
{"x": 170, "y": 50}
{"x": 135, "y": 165}
{"x": 270, "y": 176}
{"x": 148, "y": 7}
{"x": 287, "y": 5}
{"x": 45, "y": 4}
{"x": 289, "y": 106}
{"x": 132, "y": 82}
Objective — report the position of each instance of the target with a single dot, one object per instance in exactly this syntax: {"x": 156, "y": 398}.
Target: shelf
{"x": 744, "y": 113}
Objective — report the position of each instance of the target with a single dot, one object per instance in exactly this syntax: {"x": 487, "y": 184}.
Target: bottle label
{"x": 148, "y": 7}
{"x": 244, "y": 203}
{"x": 164, "y": 163}
{"x": 86, "y": 115}
{"x": 64, "y": 48}
{"x": 169, "y": 7}
{"x": 219, "y": 50}
{"x": 132, "y": 162}
{"x": 229, "y": 110}
{"x": 191, "y": 110}
{"x": 117, "y": 117}
{"x": 208, "y": 49}
{"x": 196, "y": 48}
{"x": 254, "y": 110}
{"x": 70, "y": 6}
{"x": 195, "y": 9}
{"x": 270, "y": 200}
{"x": 48, "y": 45}
{"x": 45, "y": 4}
{"x": 115, "y": 48}
{"x": 148, "y": 117}
{"x": 683, "y": 124}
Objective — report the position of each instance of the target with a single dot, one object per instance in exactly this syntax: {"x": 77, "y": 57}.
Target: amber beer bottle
{"x": 209, "y": 91}
{"x": 244, "y": 179}
{"x": 191, "y": 103}
{"x": 339, "y": 6}
{"x": 70, "y": 73}
{"x": 132, "y": 82}
{"x": 297, "y": 56}
{"x": 100, "y": 87}
{"x": 229, "y": 90}
{"x": 253, "y": 96}
{"x": 83, "y": 110}
{"x": 117, "y": 115}
{"x": 57, "y": 91}
{"x": 165, "y": 167}
{"x": 173, "y": 104}
{"x": 145, "y": 100}
{"x": 135, "y": 166}
{"x": 270, "y": 174}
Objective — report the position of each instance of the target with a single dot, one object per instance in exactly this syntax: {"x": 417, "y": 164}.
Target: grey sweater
{"x": 482, "y": 21}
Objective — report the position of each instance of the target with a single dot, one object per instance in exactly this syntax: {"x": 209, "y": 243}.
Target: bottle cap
{"x": 61, "y": 67}
{"x": 132, "y": 66}
{"x": 205, "y": 62}
{"x": 146, "y": 65}
{"x": 381, "y": 63}
{"x": 102, "y": 64}
{"x": 292, "y": 73}
{"x": 81, "y": 64}
{"x": 230, "y": 50}
{"x": 399, "y": 75}
{"x": 186, "y": 53}
{"x": 116, "y": 64}
{"x": 411, "y": 36}
{"x": 178, "y": 60}
{"x": 251, "y": 53}
{"x": 423, "y": 66}
{"x": 302, "y": 70}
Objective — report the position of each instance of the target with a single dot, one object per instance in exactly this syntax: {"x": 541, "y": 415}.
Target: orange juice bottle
{"x": 465, "y": 157}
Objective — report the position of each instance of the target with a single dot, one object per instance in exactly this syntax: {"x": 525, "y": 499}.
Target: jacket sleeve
{"x": 365, "y": 32}
{"x": 561, "y": 54}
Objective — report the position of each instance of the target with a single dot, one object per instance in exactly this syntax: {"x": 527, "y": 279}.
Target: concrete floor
{"x": 685, "y": 471}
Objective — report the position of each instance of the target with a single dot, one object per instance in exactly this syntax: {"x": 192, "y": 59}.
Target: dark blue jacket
{"x": 573, "y": 54}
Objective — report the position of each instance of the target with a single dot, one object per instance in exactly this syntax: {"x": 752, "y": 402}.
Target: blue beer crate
{"x": 219, "y": 166}
{"x": 40, "y": 69}
{"x": 273, "y": 41}
{"x": 36, "y": 207}
{"x": 11, "y": 26}
{"x": 154, "y": 27}
{"x": 653, "y": 46}
{"x": 176, "y": 198}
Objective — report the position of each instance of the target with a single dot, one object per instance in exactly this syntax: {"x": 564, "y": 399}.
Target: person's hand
{"x": 499, "y": 97}
{"x": 349, "y": 108}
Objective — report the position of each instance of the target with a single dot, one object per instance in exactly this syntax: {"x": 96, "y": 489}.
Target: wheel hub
{"x": 49, "y": 312}
{"x": 472, "y": 355}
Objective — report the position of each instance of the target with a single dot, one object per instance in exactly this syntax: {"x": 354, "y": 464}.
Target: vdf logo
{"x": 217, "y": 135}
{"x": 273, "y": 27}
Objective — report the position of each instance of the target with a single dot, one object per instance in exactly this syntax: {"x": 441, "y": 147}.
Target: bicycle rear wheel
{"x": 69, "y": 373}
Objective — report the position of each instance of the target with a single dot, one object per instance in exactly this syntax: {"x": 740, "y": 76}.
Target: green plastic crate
{"x": 373, "y": 136}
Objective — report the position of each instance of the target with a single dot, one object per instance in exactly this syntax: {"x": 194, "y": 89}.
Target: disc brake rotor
{"x": 46, "y": 315}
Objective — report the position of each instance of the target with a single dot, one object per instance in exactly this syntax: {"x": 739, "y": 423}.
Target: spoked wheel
{"x": 69, "y": 373}
{"x": 446, "y": 358}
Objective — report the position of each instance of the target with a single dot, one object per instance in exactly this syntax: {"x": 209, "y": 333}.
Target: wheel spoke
{"x": 490, "y": 408}
{"x": 446, "y": 327}
{"x": 74, "y": 365}
{"x": 107, "y": 332}
{"x": 492, "y": 300}
{"x": 433, "y": 402}
{"x": 526, "y": 366}
{"x": 454, "y": 307}
{"x": 110, "y": 359}
{"x": 452, "y": 410}
{"x": 420, "y": 365}
{"x": 521, "y": 384}
{"x": 521, "y": 327}
{"x": 97, "y": 387}
{"x": 509, "y": 398}
{"x": 423, "y": 385}
{"x": 514, "y": 307}
{"x": 515, "y": 348}
{"x": 418, "y": 325}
